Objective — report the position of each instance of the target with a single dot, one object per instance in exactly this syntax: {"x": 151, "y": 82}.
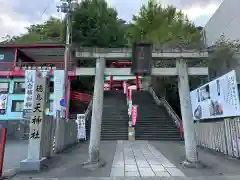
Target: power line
{"x": 46, "y": 8}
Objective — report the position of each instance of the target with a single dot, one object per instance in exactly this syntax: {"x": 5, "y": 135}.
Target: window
{"x": 51, "y": 106}
{"x": 19, "y": 87}
{"x": 4, "y": 87}
{"x": 17, "y": 106}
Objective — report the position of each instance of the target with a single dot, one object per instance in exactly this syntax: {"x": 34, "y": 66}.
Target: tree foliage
{"x": 225, "y": 47}
{"x": 96, "y": 24}
{"x": 49, "y": 31}
{"x": 164, "y": 27}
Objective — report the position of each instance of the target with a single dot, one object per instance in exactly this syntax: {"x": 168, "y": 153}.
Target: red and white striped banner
{"x": 134, "y": 114}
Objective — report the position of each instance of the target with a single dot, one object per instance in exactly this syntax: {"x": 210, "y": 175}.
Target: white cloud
{"x": 197, "y": 10}
{"x": 18, "y": 14}
{"x": 11, "y": 22}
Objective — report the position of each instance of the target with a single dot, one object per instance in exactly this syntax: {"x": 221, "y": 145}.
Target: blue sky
{"x": 18, "y": 14}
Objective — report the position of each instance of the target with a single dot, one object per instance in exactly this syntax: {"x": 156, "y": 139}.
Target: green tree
{"x": 164, "y": 27}
{"x": 51, "y": 30}
{"x": 96, "y": 24}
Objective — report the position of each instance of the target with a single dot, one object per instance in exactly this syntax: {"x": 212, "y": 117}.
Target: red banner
{"x": 130, "y": 94}
{"x": 81, "y": 96}
{"x": 134, "y": 114}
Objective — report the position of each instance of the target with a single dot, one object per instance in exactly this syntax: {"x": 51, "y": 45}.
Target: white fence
{"x": 222, "y": 136}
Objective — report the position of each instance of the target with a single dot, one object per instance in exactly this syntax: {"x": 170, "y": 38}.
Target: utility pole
{"x": 67, "y": 7}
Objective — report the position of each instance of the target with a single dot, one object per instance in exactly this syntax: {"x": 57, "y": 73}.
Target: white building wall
{"x": 225, "y": 21}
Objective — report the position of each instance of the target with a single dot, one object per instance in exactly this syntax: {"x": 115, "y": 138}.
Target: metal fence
{"x": 222, "y": 136}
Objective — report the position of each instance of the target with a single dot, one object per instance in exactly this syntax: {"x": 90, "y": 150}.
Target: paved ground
{"x": 15, "y": 152}
{"x": 217, "y": 164}
{"x": 138, "y": 158}
{"x": 69, "y": 163}
{"x": 141, "y": 178}
{"x": 143, "y": 156}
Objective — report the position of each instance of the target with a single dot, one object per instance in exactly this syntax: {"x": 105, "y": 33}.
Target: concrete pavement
{"x": 141, "y": 178}
{"x": 217, "y": 164}
{"x": 157, "y": 159}
{"x": 139, "y": 158}
{"x": 15, "y": 151}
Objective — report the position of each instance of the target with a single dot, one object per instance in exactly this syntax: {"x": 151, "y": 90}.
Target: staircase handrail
{"x": 167, "y": 106}
{"x": 88, "y": 111}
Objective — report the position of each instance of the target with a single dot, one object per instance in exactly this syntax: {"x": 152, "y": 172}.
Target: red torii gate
{"x": 123, "y": 64}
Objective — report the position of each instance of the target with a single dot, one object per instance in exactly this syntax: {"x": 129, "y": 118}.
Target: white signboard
{"x": 58, "y": 89}
{"x": 29, "y": 90}
{"x": 216, "y": 99}
{"x": 3, "y": 101}
{"x": 81, "y": 127}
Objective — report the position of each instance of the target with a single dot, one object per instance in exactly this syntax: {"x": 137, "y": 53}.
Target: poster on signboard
{"x": 216, "y": 99}
{"x": 3, "y": 101}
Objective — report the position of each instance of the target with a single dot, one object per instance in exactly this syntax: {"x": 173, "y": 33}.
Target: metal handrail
{"x": 88, "y": 111}
{"x": 171, "y": 112}
{"x": 167, "y": 106}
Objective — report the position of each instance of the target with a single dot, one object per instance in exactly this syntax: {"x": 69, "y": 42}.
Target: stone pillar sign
{"x": 34, "y": 159}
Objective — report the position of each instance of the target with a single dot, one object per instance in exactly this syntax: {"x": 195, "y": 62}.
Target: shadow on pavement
{"x": 216, "y": 164}
{"x": 69, "y": 163}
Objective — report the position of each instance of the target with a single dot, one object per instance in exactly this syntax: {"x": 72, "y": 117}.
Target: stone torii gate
{"x": 181, "y": 70}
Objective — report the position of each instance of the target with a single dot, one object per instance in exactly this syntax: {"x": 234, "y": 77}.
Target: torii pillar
{"x": 97, "y": 109}
{"x": 187, "y": 119}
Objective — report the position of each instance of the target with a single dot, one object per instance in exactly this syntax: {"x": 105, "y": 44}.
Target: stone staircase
{"x": 115, "y": 116}
{"x": 153, "y": 122}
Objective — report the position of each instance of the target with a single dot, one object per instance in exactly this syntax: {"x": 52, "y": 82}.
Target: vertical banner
{"x": 130, "y": 108}
{"x": 130, "y": 94}
{"x": 59, "y": 89}
{"x": 127, "y": 92}
{"x": 130, "y": 103}
{"x": 124, "y": 87}
{"x": 29, "y": 93}
{"x": 81, "y": 127}
{"x": 37, "y": 116}
{"x": 134, "y": 114}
